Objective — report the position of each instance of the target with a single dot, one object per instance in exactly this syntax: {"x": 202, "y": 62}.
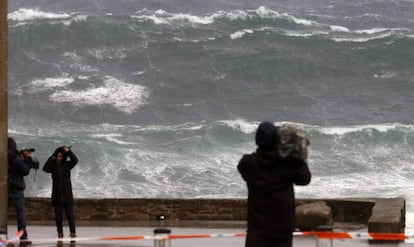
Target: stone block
{"x": 310, "y": 216}
{"x": 388, "y": 216}
{"x": 351, "y": 210}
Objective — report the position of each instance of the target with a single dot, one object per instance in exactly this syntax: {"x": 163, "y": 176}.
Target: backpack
{"x": 291, "y": 142}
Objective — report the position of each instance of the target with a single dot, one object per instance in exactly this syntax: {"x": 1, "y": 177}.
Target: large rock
{"x": 310, "y": 216}
{"x": 388, "y": 216}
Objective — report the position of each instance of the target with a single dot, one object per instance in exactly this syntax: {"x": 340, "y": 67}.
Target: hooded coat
{"x": 17, "y": 167}
{"x": 271, "y": 198}
{"x": 62, "y": 185}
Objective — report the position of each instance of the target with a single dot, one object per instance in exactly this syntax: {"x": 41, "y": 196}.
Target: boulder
{"x": 388, "y": 216}
{"x": 312, "y": 215}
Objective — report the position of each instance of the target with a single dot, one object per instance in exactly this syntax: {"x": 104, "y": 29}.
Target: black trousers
{"x": 68, "y": 207}
{"x": 262, "y": 241}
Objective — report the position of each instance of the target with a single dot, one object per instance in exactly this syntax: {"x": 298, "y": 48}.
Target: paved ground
{"x": 38, "y": 234}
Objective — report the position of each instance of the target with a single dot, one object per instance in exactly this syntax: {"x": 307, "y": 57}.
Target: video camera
{"x": 30, "y": 150}
{"x": 30, "y": 160}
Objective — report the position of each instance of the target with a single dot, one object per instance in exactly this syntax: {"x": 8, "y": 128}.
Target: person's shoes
{"x": 24, "y": 240}
{"x": 24, "y": 236}
{"x": 60, "y": 234}
{"x": 26, "y": 243}
{"x": 72, "y": 235}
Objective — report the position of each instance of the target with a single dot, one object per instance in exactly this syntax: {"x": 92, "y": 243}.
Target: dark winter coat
{"x": 62, "y": 185}
{"x": 17, "y": 170}
{"x": 271, "y": 198}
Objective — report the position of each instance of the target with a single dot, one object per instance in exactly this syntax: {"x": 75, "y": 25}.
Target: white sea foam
{"x": 305, "y": 34}
{"x": 82, "y": 77}
{"x": 264, "y": 12}
{"x": 338, "y": 130}
{"x": 113, "y": 138}
{"x": 362, "y": 39}
{"x": 267, "y": 13}
{"x": 339, "y": 29}
{"x": 376, "y": 16}
{"x": 371, "y": 31}
{"x": 240, "y": 34}
{"x": 109, "y": 52}
{"x": 300, "y": 20}
{"x": 122, "y": 96}
{"x": 380, "y": 30}
{"x": 163, "y": 17}
{"x": 386, "y": 75}
{"x": 139, "y": 72}
{"x": 241, "y": 125}
{"x": 76, "y": 18}
{"x": 49, "y": 83}
{"x": 33, "y": 14}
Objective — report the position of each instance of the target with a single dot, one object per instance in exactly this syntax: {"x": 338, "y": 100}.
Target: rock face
{"x": 312, "y": 215}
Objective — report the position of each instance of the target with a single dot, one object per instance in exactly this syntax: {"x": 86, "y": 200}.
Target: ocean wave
{"x": 24, "y": 14}
{"x": 163, "y": 17}
{"x": 247, "y": 127}
{"x": 240, "y": 34}
{"x": 112, "y": 137}
{"x": 257, "y": 20}
{"x": 343, "y": 130}
{"x": 48, "y": 83}
{"x": 305, "y": 34}
{"x": 173, "y": 156}
{"x": 114, "y": 92}
{"x": 336, "y": 28}
{"x": 363, "y": 39}
{"x": 44, "y": 84}
{"x": 381, "y": 30}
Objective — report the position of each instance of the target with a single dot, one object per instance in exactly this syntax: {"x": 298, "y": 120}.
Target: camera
{"x": 30, "y": 150}
{"x": 30, "y": 160}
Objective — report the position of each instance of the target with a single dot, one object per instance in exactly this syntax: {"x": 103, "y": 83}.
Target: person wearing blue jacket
{"x": 16, "y": 171}
{"x": 62, "y": 196}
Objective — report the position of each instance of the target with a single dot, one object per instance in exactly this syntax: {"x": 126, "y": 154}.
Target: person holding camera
{"x": 29, "y": 158}
{"x": 18, "y": 168}
{"x": 271, "y": 200}
{"x": 60, "y": 165}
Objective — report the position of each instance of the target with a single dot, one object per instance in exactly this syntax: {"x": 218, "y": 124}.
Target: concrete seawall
{"x": 385, "y": 215}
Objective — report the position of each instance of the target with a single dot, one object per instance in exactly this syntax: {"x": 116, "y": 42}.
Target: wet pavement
{"x": 92, "y": 236}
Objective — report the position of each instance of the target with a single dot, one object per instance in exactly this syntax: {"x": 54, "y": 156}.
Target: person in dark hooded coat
{"x": 17, "y": 170}
{"x": 62, "y": 196}
{"x": 271, "y": 199}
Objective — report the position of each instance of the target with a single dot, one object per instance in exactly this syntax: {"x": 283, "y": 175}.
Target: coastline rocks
{"x": 312, "y": 215}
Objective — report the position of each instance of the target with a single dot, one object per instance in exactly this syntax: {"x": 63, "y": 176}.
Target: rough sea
{"x": 160, "y": 99}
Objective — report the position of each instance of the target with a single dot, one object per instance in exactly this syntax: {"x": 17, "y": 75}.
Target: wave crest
{"x": 122, "y": 96}
{"x": 24, "y": 14}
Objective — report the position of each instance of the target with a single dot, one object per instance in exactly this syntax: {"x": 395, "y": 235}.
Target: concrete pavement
{"x": 91, "y": 235}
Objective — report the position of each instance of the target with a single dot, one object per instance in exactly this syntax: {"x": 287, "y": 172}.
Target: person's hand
{"x": 66, "y": 149}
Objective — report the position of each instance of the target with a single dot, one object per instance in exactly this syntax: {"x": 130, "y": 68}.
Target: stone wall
{"x": 144, "y": 211}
